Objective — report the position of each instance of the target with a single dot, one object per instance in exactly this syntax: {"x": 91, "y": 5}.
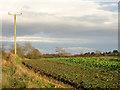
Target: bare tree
{"x": 11, "y": 49}
{"x": 97, "y": 52}
{"x": 19, "y": 49}
{"x": 62, "y": 52}
{"x": 28, "y": 48}
{"x": 27, "y": 51}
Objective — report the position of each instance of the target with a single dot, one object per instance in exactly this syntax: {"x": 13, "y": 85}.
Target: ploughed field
{"x": 79, "y": 72}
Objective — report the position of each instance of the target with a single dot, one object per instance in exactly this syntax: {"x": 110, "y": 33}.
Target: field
{"x": 79, "y": 72}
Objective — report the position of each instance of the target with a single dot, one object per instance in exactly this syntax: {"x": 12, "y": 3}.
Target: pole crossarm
{"x": 15, "y": 14}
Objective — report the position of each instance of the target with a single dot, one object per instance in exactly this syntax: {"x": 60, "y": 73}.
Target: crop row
{"x": 108, "y": 63}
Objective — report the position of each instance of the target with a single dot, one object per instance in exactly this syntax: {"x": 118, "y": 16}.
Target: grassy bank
{"x": 15, "y": 75}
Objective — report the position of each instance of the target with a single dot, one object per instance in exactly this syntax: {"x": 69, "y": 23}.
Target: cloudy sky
{"x": 77, "y": 26}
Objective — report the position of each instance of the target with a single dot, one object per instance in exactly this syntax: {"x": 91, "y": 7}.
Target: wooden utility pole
{"x": 15, "y": 14}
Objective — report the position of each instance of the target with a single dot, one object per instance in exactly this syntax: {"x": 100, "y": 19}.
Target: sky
{"x": 77, "y": 26}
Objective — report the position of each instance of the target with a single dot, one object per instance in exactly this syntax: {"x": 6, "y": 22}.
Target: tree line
{"x": 24, "y": 51}
{"x": 97, "y": 53}
{"x": 28, "y": 51}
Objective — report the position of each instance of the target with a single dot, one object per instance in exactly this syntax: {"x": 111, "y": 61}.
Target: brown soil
{"x": 48, "y": 79}
{"x": 55, "y": 78}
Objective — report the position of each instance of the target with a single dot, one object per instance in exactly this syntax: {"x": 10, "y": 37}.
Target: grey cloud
{"x": 91, "y": 18}
{"x": 60, "y": 31}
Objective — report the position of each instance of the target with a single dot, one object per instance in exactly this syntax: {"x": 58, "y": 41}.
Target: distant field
{"x": 79, "y": 72}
